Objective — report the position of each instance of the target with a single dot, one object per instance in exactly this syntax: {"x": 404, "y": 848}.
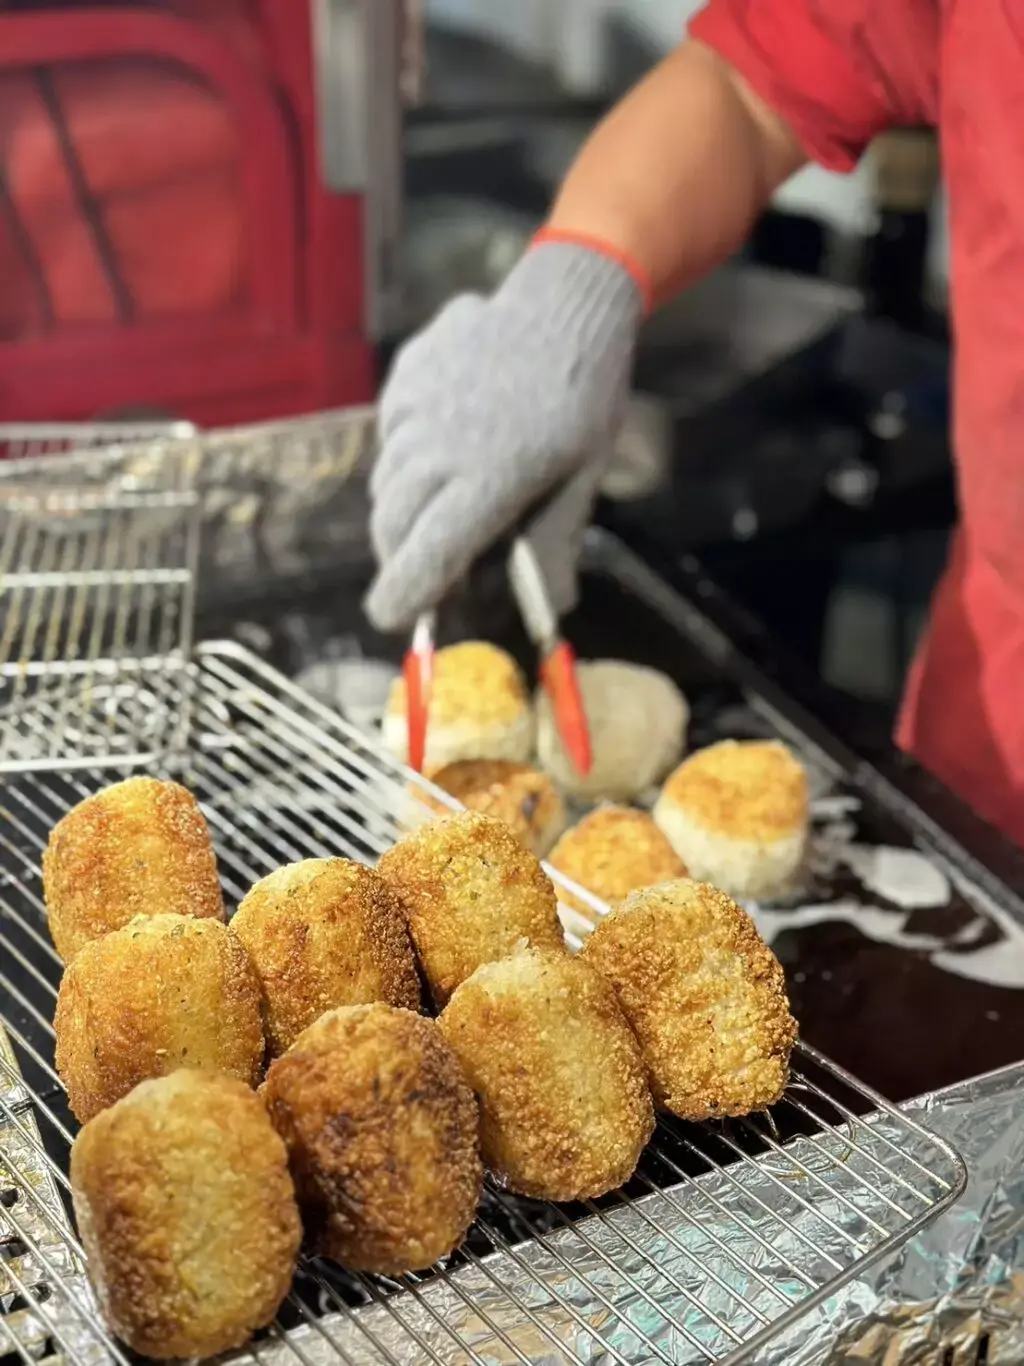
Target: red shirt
{"x": 840, "y": 71}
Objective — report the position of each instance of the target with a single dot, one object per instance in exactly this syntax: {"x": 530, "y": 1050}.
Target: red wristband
{"x": 622, "y": 258}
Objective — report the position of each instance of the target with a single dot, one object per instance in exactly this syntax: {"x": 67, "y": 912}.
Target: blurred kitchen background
{"x": 225, "y": 210}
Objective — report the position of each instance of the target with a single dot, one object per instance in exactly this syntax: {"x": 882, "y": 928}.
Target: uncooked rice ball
{"x": 638, "y": 720}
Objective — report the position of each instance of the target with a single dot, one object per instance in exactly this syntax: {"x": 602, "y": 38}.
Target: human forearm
{"x": 677, "y": 173}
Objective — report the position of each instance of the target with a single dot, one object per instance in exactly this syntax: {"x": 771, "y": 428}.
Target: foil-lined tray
{"x": 955, "y": 1295}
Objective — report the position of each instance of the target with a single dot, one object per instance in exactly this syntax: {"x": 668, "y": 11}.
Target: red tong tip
{"x": 417, "y": 668}
{"x": 558, "y": 674}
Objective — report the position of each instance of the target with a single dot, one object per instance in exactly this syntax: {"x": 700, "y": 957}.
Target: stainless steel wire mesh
{"x": 96, "y": 593}
{"x": 726, "y": 1234}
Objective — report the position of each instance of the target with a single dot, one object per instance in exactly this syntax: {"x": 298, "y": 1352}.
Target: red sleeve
{"x": 838, "y": 71}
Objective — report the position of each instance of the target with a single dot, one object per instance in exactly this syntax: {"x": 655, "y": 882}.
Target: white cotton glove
{"x": 501, "y": 408}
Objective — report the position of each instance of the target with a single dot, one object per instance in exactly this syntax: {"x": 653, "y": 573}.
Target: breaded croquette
{"x": 479, "y": 708}
{"x": 565, "y": 1111}
{"x": 382, "y": 1133}
{"x": 611, "y": 852}
{"x": 187, "y": 1214}
{"x": 324, "y": 933}
{"x": 705, "y": 995}
{"x": 471, "y": 893}
{"x": 525, "y": 799}
{"x": 737, "y": 814}
{"x": 164, "y": 992}
{"x": 140, "y": 847}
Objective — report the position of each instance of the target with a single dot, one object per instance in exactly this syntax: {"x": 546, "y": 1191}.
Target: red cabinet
{"x": 198, "y": 206}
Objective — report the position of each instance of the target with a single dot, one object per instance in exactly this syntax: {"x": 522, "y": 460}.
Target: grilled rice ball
{"x": 479, "y": 708}
{"x": 471, "y": 893}
{"x": 324, "y": 933}
{"x": 140, "y": 847}
{"x": 705, "y": 995}
{"x": 525, "y": 799}
{"x": 565, "y": 1111}
{"x": 187, "y": 1213}
{"x": 637, "y": 718}
{"x": 737, "y": 814}
{"x": 611, "y": 852}
{"x": 382, "y": 1133}
{"x": 164, "y": 992}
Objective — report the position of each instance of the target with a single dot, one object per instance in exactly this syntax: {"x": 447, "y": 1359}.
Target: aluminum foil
{"x": 955, "y": 1295}
{"x": 588, "y": 1291}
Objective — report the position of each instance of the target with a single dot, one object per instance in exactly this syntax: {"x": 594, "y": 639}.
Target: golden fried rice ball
{"x": 164, "y": 992}
{"x": 611, "y": 852}
{"x": 471, "y": 893}
{"x": 383, "y": 1138}
{"x": 140, "y": 847}
{"x": 637, "y": 719}
{"x": 187, "y": 1214}
{"x": 525, "y": 799}
{"x": 737, "y": 814}
{"x": 565, "y": 1111}
{"x": 325, "y": 933}
{"x": 705, "y": 995}
{"x": 479, "y": 708}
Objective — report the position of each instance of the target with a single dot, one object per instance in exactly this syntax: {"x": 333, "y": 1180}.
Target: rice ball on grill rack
{"x": 638, "y": 719}
{"x": 523, "y": 798}
{"x": 382, "y": 1132}
{"x": 479, "y": 708}
{"x": 737, "y": 814}
{"x": 322, "y": 933}
{"x": 163, "y": 992}
{"x": 138, "y": 847}
{"x": 704, "y": 994}
{"x": 187, "y": 1214}
{"x": 565, "y": 1109}
{"x": 471, "y": 893}
{"x": 611, "y": 852}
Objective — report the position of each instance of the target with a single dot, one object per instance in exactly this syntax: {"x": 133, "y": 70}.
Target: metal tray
{"x": 726, "y": 1235}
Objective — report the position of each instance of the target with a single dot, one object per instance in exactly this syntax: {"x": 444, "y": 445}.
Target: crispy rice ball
{"x": 522, "y": 797}
{"x": 187, "y": 1213}
{"x": 140, "y": 847}
{"x": 737, "y": 814}
{"x": 382, "y": 1133}
{"x": 565, "y": 1111}
{"x": 479, "y": 708}
{"x": 611, "y": 852}
{"x": 164, "y": 992}
{"x": 325, "y": 933}
{"x": 638, "y": 719}
{"x": 705, "y": 995}
{"x": 471, "y": 894}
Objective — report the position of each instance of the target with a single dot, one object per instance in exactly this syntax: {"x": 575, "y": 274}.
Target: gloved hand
{"x": 501, "y": 406}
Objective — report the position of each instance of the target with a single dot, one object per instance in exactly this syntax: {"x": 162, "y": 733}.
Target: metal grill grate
{"x": 96, "y": 588}
{"x": 19, "y": 440}
{"x": 726, "y": 1234}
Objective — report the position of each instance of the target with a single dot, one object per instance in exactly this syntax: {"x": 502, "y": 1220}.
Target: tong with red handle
{"x": 558, "y": 674}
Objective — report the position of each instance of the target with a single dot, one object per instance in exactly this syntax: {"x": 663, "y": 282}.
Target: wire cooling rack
{"x": 726, "y": 1234}
{"x": 96, "y": 594}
